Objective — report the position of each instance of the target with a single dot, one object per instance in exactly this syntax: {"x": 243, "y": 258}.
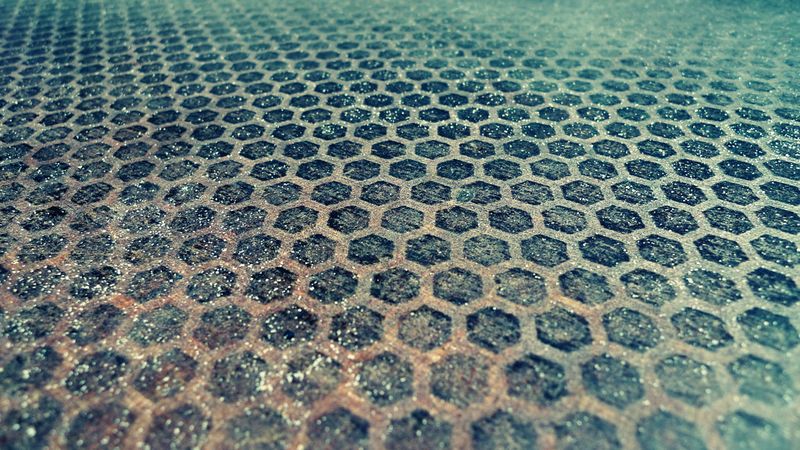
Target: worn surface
{"x": 379, "y": 224}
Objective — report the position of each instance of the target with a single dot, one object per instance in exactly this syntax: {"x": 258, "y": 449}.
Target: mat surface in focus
{"x": 403, "y": 225}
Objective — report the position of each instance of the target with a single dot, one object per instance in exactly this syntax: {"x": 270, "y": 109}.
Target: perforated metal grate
{"x": 411, "y": 225}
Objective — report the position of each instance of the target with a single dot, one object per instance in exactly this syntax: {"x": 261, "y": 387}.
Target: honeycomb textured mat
{"x": 403, "y": 225}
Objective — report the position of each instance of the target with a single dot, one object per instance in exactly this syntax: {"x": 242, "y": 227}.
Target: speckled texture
{"x": 403, "y": 225}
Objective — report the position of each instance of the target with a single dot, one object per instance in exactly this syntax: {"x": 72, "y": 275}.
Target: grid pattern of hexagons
{"x": 268, "y": 225}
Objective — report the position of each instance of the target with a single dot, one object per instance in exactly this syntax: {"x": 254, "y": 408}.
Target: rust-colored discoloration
{"x": 631, "y": 119}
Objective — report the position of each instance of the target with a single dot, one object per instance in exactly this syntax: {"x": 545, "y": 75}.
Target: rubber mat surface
{"x": 402, "y": 225}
